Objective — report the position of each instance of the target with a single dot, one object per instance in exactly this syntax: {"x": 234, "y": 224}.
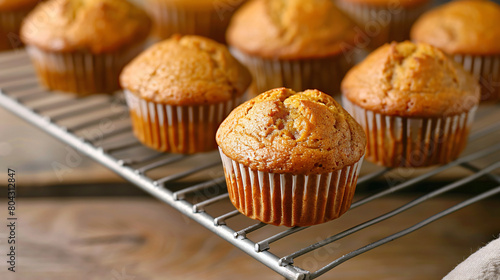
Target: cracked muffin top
{"x": 97, "y": 26}
{"x": 187, "y": 70}
{"x": 411, "y": 80}
{"x": 17, "y": 5}
{"x": 461, "y": 27}
{"x": 282, "y": 131}
{"x": 291, "y": 29}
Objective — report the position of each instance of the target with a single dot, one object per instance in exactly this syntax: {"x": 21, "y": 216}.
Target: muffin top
{"x": 291, "y": 29}
{"x": 98, "y": 26}
{"x": 282, "y": 131}
{"x": 188, "y": 70}
{"x": 411, "y": 80}
{"x": 461, "y": 27}
{"x": 17, "y": 5}
{"x": 394, "y": 4}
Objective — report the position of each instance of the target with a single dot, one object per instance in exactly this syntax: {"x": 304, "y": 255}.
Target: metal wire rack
{"x": 98, "y": 127}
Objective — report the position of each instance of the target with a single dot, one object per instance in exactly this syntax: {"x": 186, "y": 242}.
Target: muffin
{"x": 291, "y": 158}
{"x": 383, "y": 21}
{"x": 293, "y": 43}
{"x": 208, "y": 18}
{"x": 415, "y": 104}
{"x": 468, "y": 31}
{"x": 12, "y": 13}
{"x": 179, "y": 91}
{"x": 81, "y": 46}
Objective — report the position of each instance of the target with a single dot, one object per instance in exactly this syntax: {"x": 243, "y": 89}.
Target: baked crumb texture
{"x": 281, "y": 131}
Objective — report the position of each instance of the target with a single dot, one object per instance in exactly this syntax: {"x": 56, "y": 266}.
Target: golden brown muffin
{"x": 12, "y": 13}
{"x": 81, "y": 46}
{"x": 208, "y": 18}
{"x": 410, "y": 80}
{"x": 97, "y": 26}
{"x": 293, "y": 43}
{"x": 191, "y": 75}
{"x": 290, "y": 29}
{"x": 283, "y": 153}
{"x": 415, "y": 104}
{"x": 383, "y": 21}
{"x": 467, "y": 30}
{"x": 461, "y": 27}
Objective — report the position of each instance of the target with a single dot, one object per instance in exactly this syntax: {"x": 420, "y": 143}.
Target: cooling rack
{"x": 99, "y": 127}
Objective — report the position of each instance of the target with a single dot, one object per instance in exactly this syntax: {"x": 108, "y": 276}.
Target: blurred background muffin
{"x": 414, "y": 102}
{"x": 291, "y": 158}
{"x": 293, "y": 43}
{"x": 81, "y": 46}
{"x": 12, "y": 13}
{"x": 208, "y": 18}
{"x": 469, "y": 31}
{"x": 383, "y": 21}
{"x": 179, "y": 91}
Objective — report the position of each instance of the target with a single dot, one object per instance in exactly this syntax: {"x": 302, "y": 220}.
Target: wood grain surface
{"x": 141, "y": 238}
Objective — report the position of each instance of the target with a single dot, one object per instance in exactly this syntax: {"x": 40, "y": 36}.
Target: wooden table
{"x": 125, "y": 238}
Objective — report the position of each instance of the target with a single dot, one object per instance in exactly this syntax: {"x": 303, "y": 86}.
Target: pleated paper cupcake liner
{"x": 381, "y": 25}
{"x": 177, "y": 129}
{"x": 487, "y": 70}
{"x": 324, "y": 74}
{"x": 412, "y": 142}
{"x": 290, "y": 200}
{"x": 81, "y": 72}
{"x": 10, "y": 23}
{"x": 173, "y": 19}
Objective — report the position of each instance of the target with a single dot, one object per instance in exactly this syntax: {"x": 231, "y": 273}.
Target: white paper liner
{"x": 411, "y": 142}
{"x": 10, "y": 23}
{"x": 382, "y": 25}
{"x": 209, "y": 22}
{"x": 177, "y": 129}
{"x": 487, "y": 70}
{"x": 324, "y": 74}
{"x": 290, "y": 200}
{"x": 81, "y": 72}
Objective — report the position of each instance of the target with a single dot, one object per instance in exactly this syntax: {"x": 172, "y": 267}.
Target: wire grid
{"x": 21, "y": 94}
